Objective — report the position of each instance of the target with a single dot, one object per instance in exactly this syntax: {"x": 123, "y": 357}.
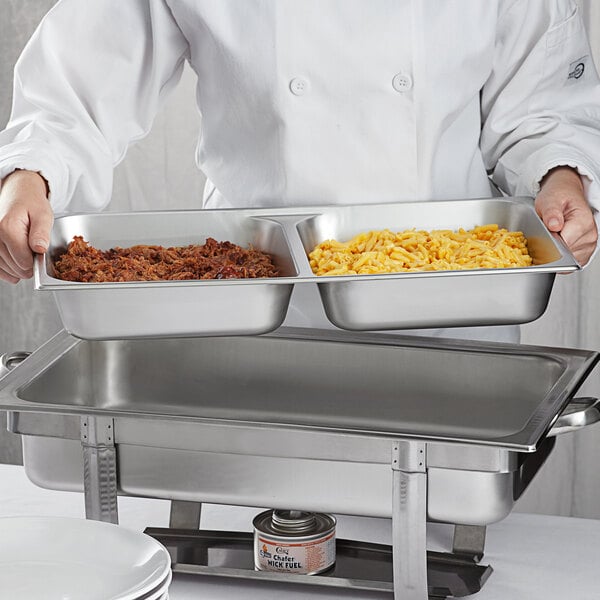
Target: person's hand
{"x": 562, "y": 206}
{"x": 25, "y": 223}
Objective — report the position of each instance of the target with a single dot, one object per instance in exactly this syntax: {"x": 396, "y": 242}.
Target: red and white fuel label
{"x": 284, "y": 556}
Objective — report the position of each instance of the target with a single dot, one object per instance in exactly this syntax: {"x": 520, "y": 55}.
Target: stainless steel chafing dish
{"x": 254, "y": 306}
{"x": 368, "y": 424}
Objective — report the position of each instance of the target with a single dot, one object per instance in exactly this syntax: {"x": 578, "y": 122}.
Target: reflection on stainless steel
{"x": 227, "y": 420}
{"x": 367, "y": 302}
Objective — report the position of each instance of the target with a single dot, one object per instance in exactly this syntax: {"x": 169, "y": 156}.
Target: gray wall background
{"x": 162, "y": 167}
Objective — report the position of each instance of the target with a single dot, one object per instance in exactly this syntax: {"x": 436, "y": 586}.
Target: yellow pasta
{"x": 374, "y": 252}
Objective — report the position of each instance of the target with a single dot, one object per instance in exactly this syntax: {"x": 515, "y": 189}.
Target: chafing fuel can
{"x": 294, "y": 541}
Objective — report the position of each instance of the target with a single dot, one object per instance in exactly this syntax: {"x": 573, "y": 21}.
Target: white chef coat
{"x": 319, "y": 101}
{"x": 313, "y": 102}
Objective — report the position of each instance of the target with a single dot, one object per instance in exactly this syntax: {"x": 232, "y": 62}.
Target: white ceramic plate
{"x": 53, "y": 557}
{"x": 161, "y": 592}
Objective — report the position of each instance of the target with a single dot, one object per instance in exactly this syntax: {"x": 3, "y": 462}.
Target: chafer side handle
{"x": 10, "y": 360}
{"x": 580, "y": 412}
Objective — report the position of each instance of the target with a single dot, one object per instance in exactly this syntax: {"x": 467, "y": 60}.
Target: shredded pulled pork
{"x": 212, "y": 260}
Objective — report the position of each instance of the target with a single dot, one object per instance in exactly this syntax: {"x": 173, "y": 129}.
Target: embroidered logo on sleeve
{"x": 577, "y": 69}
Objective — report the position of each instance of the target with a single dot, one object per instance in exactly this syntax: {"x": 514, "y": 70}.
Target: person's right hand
{"x": 25, "y": 222}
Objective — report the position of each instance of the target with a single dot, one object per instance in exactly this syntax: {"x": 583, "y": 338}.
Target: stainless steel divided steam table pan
{"x": 228, "y": 420}
{"x": 253, "y": 306}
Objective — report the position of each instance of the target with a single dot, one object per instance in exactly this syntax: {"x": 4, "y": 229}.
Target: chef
{"x": 312, "y": 102}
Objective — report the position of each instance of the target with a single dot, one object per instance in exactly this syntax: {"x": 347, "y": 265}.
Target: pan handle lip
{"x": 579, "y": 413}
{"x": 558, "y": 238}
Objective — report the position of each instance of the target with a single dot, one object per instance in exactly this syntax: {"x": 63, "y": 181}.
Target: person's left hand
{"x": 562, "y": 206}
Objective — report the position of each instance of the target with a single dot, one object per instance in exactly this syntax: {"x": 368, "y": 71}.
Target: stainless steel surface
{"x": 442, "y": 299}
{"x": 390, "y": 301}
{"x": 579, "y": 413}
{"x": 408, "y": 387}
{"x": 200, "y": 383}
{"x": 40, "y": 424}
{"x": 294, "y": 524}
{"x": 169, "y": 308}
{"x": 156, "y": 392}
{"x": 99, "y": 468}
{"x": 11, "y": 360}
{"x": 321, "y": 485}
{"x": 469, "y": 541}
{"x": 185, "y": 515}
{"x": 315, "y": 485}
{"x": 409, "y": 518}
{"x": 299, "y": 444}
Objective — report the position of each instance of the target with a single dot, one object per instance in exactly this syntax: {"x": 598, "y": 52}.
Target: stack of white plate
{"x": 50, "y": 558}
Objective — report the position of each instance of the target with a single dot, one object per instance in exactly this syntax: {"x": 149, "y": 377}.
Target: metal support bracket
{"x": 99, "y": 468}
{"x": 409, "y": 520}
{"x": 185, "y": 515}
{"x": 469, "y": 541}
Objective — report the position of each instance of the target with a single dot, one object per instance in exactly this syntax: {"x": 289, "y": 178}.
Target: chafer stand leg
{"x": 99, "y": 469}
{"x": 185, "y": 515}
{"x": 409, "y": 520}
{"x": 469, "y": 541}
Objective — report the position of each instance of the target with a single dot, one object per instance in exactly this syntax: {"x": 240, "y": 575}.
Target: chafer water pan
{"x": 227, "y": 420}
{"x": 252, "y": 306}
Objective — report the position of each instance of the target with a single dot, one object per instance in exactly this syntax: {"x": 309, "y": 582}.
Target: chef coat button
{"x": 299, "y": 86}
{"x": 402, "y": 83}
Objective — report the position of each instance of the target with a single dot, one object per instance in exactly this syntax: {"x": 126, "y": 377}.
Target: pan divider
{"x": 289, "y": 225}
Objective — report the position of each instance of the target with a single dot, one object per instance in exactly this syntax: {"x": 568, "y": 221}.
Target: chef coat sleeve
{"x": 541, "y": 103}
{"x": 88, "y": 83}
